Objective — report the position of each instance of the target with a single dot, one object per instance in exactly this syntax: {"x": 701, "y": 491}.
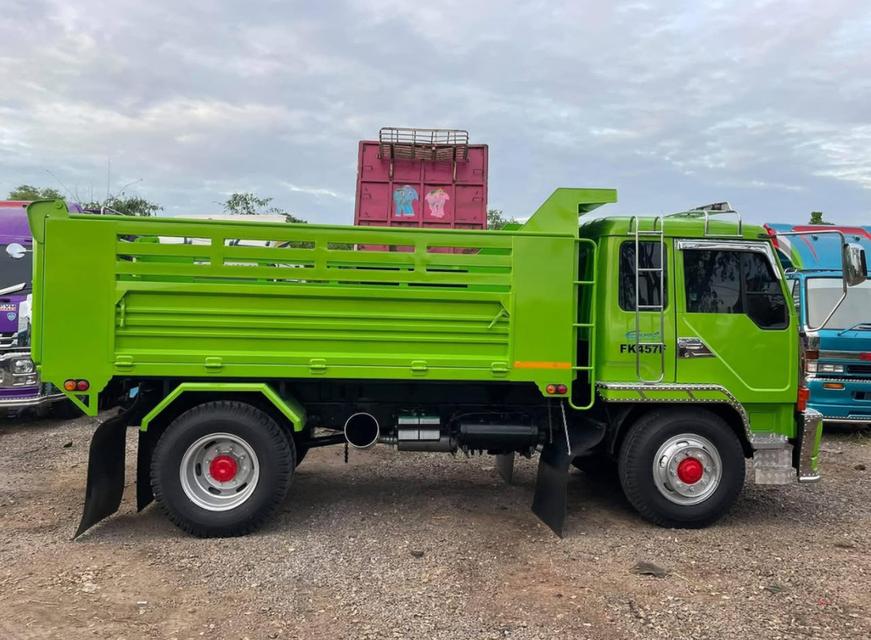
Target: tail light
{"x": 76, "y": 385}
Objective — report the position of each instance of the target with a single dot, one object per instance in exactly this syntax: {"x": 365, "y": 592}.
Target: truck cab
{"x": 838, "y": 366}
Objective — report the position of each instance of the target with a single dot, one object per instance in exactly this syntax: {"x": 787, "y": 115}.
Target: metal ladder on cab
{"x": 585, "y": 321}
{"x": 657, "y": 233}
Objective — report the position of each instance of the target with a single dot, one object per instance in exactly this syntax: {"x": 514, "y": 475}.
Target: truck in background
{"x": 838, "y": 363}
{"x": 20, "y": 386}
{"x": 430, "y": 178}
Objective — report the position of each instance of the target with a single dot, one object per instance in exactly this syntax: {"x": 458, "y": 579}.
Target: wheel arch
{"x": 285, "y": 409}
{"x": 623, "y": 415}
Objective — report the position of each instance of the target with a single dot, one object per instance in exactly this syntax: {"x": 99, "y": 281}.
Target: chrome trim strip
{"x": 769, "y": 441}
{"x": 862, "y": 356}
{"x": 15, "y": 355}
{"x": 842, "y": 419}
{"x": 808, "y": 455}
{"x": 686, "y": 388}
{"x": 824, "y": 378}
{"x": 15, "y": 403}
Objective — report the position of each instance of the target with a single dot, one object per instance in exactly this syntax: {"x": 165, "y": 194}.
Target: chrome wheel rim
{"x": 219, "y": 472}
{"x": 687, "y": 469}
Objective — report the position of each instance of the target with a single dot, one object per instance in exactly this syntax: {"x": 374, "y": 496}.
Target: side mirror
{"x": 854, "y": 266}
{"x": 17, "y": 251}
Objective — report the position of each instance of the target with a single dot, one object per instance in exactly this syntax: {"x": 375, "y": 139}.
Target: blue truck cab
{"x": 838, "y": 362}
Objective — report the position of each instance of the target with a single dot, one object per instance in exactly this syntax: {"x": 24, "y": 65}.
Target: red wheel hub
{"x": 223, "y": 468}
{"x": 690, "y": 470}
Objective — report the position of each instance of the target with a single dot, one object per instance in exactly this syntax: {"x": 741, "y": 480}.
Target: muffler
{"x": 362, "y": 431}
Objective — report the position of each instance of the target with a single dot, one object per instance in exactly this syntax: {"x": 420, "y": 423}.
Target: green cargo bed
{"x": 173, "y": 297}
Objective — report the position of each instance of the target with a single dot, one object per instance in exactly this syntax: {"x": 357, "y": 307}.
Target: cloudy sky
{"x": 766, "y": 104}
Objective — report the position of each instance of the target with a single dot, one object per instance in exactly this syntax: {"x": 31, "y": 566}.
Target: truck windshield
{"x": 823, "y": 293}
{"x": 15, "y": 271}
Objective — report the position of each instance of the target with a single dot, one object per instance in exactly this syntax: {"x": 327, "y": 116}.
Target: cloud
{"x": 762, "y": 103}
{"x": 318, "y": 191}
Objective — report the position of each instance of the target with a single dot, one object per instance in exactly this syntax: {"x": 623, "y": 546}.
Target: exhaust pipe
{"x": 362, "y": 431}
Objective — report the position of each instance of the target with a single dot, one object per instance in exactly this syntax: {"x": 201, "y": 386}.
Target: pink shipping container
{"x": 421, "y": 178}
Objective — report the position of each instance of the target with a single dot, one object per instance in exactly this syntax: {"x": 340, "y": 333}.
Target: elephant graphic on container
{"x": 403, "y": 199}
{"x": 436, "y": 200}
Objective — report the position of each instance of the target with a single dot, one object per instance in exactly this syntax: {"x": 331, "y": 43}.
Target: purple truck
{"x": 20, "y": 387}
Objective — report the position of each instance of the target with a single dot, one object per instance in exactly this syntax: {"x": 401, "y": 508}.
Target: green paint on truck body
{"x": 440, "y": 305}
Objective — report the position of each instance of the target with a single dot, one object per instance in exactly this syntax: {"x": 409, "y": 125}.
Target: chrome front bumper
{"x": 809, "y": 446}
{"x": 777, "y": 460}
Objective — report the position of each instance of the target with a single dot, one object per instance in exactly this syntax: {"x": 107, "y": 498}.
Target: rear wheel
{"x": 681, "y": 467}
{"x": 221, "y": 468}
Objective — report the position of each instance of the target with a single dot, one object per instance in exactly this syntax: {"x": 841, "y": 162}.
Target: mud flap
{"x": 556, "y": 457}
{"x": 144, "y": 494}
{"x": 105, "y": 472}
{"x": 106, "y": 462}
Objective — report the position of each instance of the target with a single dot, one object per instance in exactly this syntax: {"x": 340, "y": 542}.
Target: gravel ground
{"x": 429, "y": 546}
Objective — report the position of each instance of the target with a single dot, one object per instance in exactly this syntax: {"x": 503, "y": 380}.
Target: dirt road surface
{"x": 429, "y": 546}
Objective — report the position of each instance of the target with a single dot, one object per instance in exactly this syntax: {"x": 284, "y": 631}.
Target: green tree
{"x": 29, "y": 192}
{"x": 121, "y": 202}
{"x": 817, "y": 218}
{"x": 246, "y": 203}
{"x": 496, "y": 219}
{"x": 126, "y": 205}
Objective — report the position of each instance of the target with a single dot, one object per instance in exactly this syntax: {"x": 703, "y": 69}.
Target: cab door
{"x": 734, "y": 328}
{"x": 638, "y": 345}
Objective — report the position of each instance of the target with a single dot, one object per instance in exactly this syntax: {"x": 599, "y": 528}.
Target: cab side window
{"x": 722, "y": 281}
{"x": 649, "y": 294}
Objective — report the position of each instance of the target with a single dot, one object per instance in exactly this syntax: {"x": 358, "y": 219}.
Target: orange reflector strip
{"x": 833, "y": 385}
{"x": 527, "y": 364}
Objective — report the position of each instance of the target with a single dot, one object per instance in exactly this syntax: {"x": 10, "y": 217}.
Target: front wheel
{"x": 681, "y": 468}
{"x": 221, "y": 468}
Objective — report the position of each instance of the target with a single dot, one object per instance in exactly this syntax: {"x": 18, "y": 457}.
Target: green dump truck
{"x": 663, "y": 346}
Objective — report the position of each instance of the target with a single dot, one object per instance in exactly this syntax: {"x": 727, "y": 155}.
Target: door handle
{"x": 693, "y": 348}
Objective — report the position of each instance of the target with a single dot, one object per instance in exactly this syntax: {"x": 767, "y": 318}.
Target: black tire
{"x": 598, "y": 466}
{"x": 639, "y": 450}
{"x": 275, "y": 455}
